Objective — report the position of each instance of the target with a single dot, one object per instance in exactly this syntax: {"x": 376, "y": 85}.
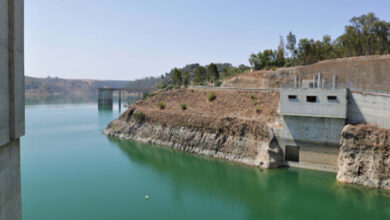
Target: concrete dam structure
{"x": 11, "y": 106}
{"x": 315, "y": 113}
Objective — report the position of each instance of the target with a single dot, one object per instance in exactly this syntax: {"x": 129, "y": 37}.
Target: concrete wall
{"x": 321, "y": 108}
{"x": 318, "y": 140}
{"x": 314, "y": 130}
{"x": 315, "y": 156}
{"x": 369, "y": 107}
{"x": 314, "y": 127}
{"x": 11, "y": 106}
{"x": 4, "y": 89}
{"x": 10, "y": 196}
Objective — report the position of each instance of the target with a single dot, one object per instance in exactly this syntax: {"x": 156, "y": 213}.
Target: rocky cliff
{"x": 235, "y": 126}
{"x": 365, "y": 156}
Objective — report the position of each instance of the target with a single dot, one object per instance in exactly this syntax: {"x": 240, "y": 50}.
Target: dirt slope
{"x": 247, "y": 109}
{"x": 371, "y": 72}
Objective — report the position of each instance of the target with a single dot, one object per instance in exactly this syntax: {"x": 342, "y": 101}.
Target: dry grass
{"x": 368, "y": 135}
{"x": 231, "y": 112}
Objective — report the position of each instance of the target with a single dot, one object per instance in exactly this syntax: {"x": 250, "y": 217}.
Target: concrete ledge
{"x": 312, "y": 116}
{"x": 312, "y": 166}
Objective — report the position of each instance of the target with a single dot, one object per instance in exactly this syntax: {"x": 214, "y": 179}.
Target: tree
{"x": 242, "y": 68}
{"x": 367, "y": 35}
{"x": 177, "y": 77}
{"x": 280, "y": 61}
{"x": 291, "y": 42}
{"x": 268, "y": 59}
{"x": 254, "y": 61}
{"x": 212, "y": 72}
{"x": 186, "y": 79}
{"x": 225, "y": 72}
{"x": 200, "y": 75}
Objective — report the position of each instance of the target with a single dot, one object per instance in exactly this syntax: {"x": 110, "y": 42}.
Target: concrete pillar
{"x": 11, "y": 106}
{"x": 105, "y": 96}
{"x": 120, "y": 98}
{"x": 334, "y": 86}
{"x": 314, "y": 81}
{"x": 319, "y": 80}
{"x": 296, "y": 82}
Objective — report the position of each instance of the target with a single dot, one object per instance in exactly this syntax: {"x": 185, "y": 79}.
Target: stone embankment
{"x": 365, "y": 156}
{"x": 235, "y": 126}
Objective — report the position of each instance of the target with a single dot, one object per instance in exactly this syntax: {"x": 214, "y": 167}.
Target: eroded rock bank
{"x": 365, "y": 156}
{"x": 234, "y": 126}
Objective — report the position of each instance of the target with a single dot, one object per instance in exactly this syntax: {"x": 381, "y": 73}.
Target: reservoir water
{"x": 70, "y": 170}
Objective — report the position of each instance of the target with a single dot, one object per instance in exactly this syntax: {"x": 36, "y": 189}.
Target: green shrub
{"x": 148, "y": 94}
{"x": 212, "y": 96}
{"x": 139, "y": 116}
{"x": 183, "y": 106}
{"x": 161, "y": 105}
{"x": 162, "y": 85}
{"x": 218, "y": 83}
{"x": 253, "y": 97}
{"x": 192, "y": 90}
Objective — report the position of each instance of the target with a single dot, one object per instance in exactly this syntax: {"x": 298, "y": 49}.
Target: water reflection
{"x": 266, "y": 194}
{"x": 71, "y": 99}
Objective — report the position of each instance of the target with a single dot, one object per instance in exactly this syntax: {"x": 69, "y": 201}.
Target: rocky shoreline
{"x": 365, "y": 156}
{"x": 245, "y": 149}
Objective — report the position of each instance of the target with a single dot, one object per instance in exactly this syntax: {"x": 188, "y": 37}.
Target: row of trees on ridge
{"x": 366, "y": 35}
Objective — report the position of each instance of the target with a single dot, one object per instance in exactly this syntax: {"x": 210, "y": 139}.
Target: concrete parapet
{"x": 327, "y": 103}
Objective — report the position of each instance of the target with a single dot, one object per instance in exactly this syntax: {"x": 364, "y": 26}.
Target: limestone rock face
{"x": 365, "y": 156}
{"x": 242, "y": 148}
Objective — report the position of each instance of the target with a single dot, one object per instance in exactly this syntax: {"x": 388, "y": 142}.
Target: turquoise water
{"x": 71, "y": 171}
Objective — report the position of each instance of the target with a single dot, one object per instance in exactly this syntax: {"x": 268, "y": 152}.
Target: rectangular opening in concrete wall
{"x": 311, "y": 98}
{"x": 292, "y": 153}
{"x": 332, "y": 97}
{"x": 292, "y": 97}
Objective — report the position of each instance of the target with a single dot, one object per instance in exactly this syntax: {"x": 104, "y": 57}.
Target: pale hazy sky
{"x": 128, "y": 39}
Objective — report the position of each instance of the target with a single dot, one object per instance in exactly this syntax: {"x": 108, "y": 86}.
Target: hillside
{"x": 370, "y": 72}
{"x": 260, "y": 106}
{"x": 234, "y": 126}
{"x": 43, "y": 90}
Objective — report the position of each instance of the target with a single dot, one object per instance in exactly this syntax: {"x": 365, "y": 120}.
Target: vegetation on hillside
{"x": 196, "y": 74}
{"x": 190, "y": 74}
{"x": 366, "y": 35}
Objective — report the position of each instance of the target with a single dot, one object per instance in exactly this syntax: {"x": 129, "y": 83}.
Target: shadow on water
{"x": 267, "y": 194}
